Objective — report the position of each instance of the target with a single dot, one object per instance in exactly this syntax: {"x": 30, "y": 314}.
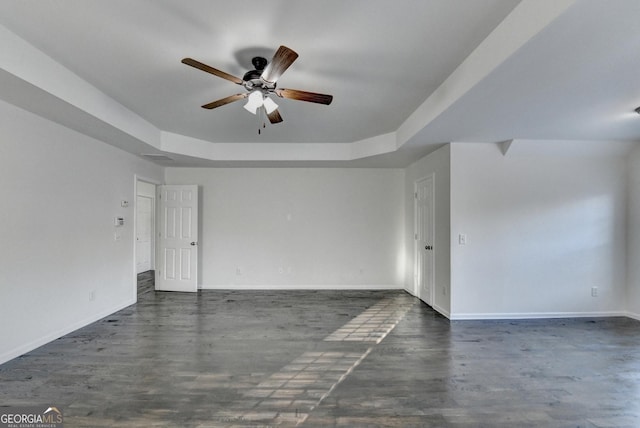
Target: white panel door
{"x": 424, "y": 234}
{"x": 144, "y": 217}
{"x": 177, "y": 260}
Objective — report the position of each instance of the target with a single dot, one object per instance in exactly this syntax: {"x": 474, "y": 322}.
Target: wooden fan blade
{"x": 274, "y": 116}
{"x": 311, "y": 97}
{"x": 225, "y": 101}
{"x": 204, "y": 67}
{"x": 282, "y": 59}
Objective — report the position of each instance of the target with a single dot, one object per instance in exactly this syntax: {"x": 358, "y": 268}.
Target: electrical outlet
{"x": 462, "y": 239}
{"x": 594, "y": 291}
{"x": 92, "y": 295}
{"x": 238, "y": 271}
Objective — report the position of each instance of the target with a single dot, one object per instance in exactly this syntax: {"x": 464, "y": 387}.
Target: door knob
{"x": 428, "y": 247}
{"x": 194, "y": 243}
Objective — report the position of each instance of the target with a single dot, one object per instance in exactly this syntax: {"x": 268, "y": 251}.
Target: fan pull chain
{"x": 262, "y": 117}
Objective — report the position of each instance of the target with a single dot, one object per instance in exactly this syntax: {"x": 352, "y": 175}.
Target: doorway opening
{"x": 144, "y": 234}
{"x": 424, "y": 237}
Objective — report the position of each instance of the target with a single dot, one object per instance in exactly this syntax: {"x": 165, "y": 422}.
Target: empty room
{"x": 408, "y": 213}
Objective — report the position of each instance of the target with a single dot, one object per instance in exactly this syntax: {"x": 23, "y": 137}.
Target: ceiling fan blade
{"x": 214, "y": 71}
{"x": 311, "y": 97}
{"x": 225, "y": 101}
{"x": 282, "y": 59}
{"x": 274, "y": 116}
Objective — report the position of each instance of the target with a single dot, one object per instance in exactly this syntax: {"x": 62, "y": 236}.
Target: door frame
{"x": 416, "y": 246}
{"x": 136, "y": 179}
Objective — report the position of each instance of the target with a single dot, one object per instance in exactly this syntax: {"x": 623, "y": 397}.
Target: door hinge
{"x": 415, "y": 195}
{"x": 415, "y": 236}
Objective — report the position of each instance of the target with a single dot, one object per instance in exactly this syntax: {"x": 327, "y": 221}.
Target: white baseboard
{"x": 435, "y": 307}
{"x": 30, "y": 346}
{"x": 535, "y": 315}
{"x": 303, "y": 287}
{"x": 441, "y": 311}
{"x": 633, "y": 315}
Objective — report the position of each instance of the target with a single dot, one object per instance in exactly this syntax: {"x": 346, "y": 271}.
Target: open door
{"x": 177, "y": 261}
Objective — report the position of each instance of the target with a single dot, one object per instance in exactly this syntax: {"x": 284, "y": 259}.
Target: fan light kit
{"x": 261, "y": 84}
{"x": 257, "y": 99}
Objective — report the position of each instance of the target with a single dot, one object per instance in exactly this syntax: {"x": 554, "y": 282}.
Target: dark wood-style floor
{"x": 146, "y": 282}
{"x": 329, "y": 358}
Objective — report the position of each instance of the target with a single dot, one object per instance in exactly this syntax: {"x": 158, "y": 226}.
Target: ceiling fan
{"x": 261, "y": 83}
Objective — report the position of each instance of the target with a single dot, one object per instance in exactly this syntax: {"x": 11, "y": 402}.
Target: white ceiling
{"x": 406, "y": 75}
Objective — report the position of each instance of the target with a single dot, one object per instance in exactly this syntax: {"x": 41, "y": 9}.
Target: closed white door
{"x": 424, "y": 234}
{"x": 177, "y": 261}
{"x": 144, "y": 217}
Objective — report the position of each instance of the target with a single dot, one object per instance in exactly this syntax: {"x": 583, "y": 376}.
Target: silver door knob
{"x": 194, "y": 243}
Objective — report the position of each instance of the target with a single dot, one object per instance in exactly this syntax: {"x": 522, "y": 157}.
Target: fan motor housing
{"x": 252, "y": 75}
{"x": 252, "y": 79}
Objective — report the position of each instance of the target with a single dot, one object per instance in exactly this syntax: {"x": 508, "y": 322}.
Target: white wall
{"x": 437, "y": 163}
{"x": 299, "y": 228}
{"x": 543, "y": 228}
{"x": 60, "y": 191}
{"x": 633, "y": 236}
